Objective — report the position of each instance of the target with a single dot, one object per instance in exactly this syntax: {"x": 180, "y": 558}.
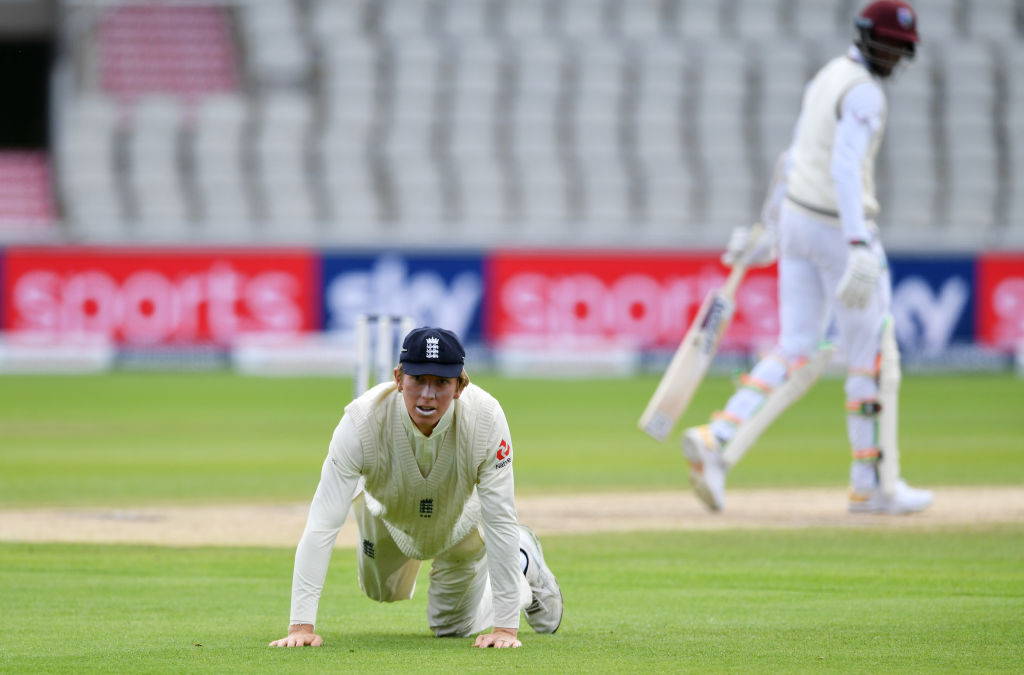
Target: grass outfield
{"x": 829, "y": 600}
{"x": 132, "y": 438}
{"x": 797, "y": 601}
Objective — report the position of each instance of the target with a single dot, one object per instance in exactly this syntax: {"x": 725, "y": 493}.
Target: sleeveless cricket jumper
{"x": 809, "y": 182}
{"x": 425, "y": 514}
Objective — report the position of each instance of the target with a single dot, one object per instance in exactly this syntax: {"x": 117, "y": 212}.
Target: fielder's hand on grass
{"x": 299, "y": 635}
{"x": 499, "y": 639}
{"x": 863, "y": 268}
{"x": 762, "y": 250}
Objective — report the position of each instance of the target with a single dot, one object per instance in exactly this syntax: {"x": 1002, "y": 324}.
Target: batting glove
{"x": 863, "y": 268}
{"x": 757, "y": 244}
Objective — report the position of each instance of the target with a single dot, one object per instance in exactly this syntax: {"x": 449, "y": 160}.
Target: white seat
{"x": 282, "y": 136}
{"x": 466, "y": 18}
{"x": 351, "y": 190}
{"x": 659, "y": 99}
{"x": 354, "y": 203}
{"x": 482, "y": 190}
{"x": 662, "y": 134}
{"x": 545, "y": 190}
{"x": 938, "y": 19}
{"x": 662, "y": 63}
{"x": 411, "y": 131}
{"x": 912, "y": 188}
{"x": 404, "y": 19}
{"x": 536, "y": 136}
{"x": 525, "y": 18}
{"x": 284, "y": 119}
{"x": 972, "y": 194}
{"x": 782, "y": 68}
{"x": 729, "y": 184}
{"x": 156, "y": 122}
{"x": 1015, "y": 215}
{"x": 699, "y": 19}
{"x": 643, "y": 20}
{"x": 345, "y": 136}
{"x": 93, "y": 206}
{"x": 584, "y": 19}
{"x": 223, "y": 198}
{"x": 290, "y": 209}
{"x": 722, "y": 88}
{"x": 600, "y": 79}
{"x": 350, "y": 68}
{"x": 279, "y": 56}
{"x": 819, "y": 19}
{"x": 539, "y": 65}
{"x": 479, "y": 62}
{"x": 993, "y": 19}
{"x": 473, "y": 136}
{"x": 154, "y": 174}
{"x": 416, "y": 69}
{"x": 419, "y": 195}
{"x": 86, "y": 169}
{"x": 605, "y": 188}
{"x": 597, "y": 137}
{"x": 331, "y": 20}
{"x": 668, "y": 191}
{"x": 356, "y": 106}
{"x": 757, "y": 18}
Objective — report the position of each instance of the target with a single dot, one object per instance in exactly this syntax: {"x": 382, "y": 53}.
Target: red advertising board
{"x": 647, "y": 299}
{"x": 1000, "y": 300}
{"x": 159, "y": 296}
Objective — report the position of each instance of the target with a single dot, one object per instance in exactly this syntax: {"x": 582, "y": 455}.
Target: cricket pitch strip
{"x": 281, "y": 525}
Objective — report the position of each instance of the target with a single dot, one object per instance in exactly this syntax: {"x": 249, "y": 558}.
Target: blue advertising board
{"x": 933, "y": 302}
{"x": 434, "y": 289}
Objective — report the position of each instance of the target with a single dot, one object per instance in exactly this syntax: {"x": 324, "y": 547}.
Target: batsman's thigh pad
{"x": 459, "y": 601}
{"x": 385, "y": 573}
{"x": 798, "y": 381}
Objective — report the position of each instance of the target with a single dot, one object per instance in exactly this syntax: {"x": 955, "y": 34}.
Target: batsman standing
{"x": 425, "y": 463}
{"x": 820, "y": 214}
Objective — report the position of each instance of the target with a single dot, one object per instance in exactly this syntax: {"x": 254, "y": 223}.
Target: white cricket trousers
{"x": 459, "y": 600}
{"x": 812, "y": 259}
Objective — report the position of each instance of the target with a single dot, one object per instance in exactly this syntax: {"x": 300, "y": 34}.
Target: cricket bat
{"x": 690, "y": 363}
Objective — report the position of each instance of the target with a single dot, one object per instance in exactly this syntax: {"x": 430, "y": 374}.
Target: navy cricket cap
{"x": 432, "y": 351}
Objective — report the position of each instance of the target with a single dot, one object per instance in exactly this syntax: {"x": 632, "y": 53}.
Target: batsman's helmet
{"x": 886, "y": 32}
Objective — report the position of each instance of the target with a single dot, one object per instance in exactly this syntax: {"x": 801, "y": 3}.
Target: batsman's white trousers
{"x": 459, "y": 600}
{"x": 812, "y": 259}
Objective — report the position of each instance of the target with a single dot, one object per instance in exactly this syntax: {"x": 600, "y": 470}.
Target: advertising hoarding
{"x": 433, "y": 289}
{"x": 647, "y": 299}
{"x": 151, "y": 296}
{"x": 1000, "y": 289}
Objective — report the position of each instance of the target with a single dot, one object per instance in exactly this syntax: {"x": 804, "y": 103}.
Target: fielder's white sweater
{"x": 468, "y": 485}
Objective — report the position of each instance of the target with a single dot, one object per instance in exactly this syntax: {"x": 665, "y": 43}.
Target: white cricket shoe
{"x": 707, "y": 467}
{"x": 905, "y": 500}
{"x": 544, "y": 613}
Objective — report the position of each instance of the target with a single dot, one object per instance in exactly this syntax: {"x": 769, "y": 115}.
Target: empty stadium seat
{"x": 155, "y": 167}
{"x": 276, "y": 53}
{"x": 525, "y": 18}
{"x": 643, "y": 19}
{"x": 756, "y": 18}
{"x": 993, "y": 19}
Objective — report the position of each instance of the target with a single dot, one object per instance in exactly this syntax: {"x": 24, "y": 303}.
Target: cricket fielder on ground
{"x": 828, "y": 247}
{"x": 425, "y": 462}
